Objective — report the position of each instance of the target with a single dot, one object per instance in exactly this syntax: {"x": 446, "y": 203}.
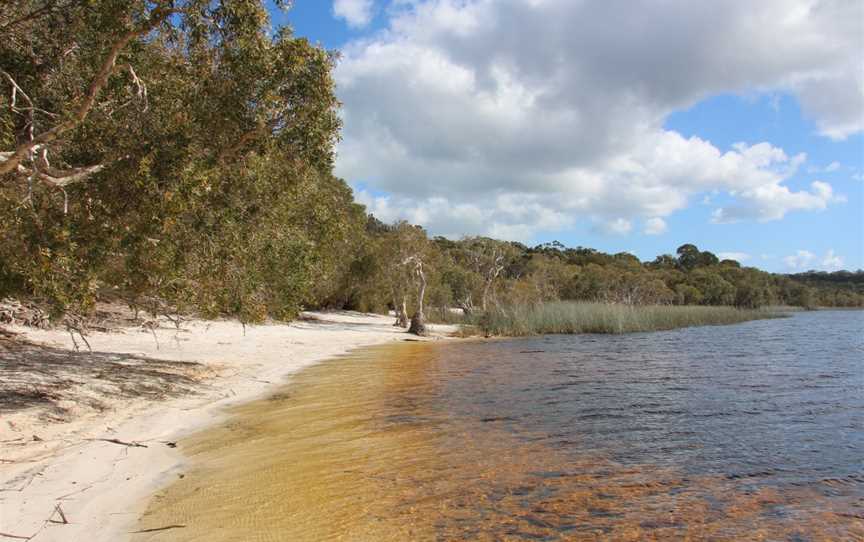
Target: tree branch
{"x": 99, "y": 81}
{"x": 55, "y": 177}
{"x": 49, "y": 7}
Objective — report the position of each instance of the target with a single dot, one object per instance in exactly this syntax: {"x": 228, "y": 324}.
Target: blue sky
{"x": 457, "y": 118}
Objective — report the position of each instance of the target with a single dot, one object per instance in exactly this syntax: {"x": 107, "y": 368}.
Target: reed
{"x": 571, "y": 317}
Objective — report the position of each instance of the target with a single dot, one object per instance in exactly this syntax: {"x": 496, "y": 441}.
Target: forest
{"x": 177, "y": 156}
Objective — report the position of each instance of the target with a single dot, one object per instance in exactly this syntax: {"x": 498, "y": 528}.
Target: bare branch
{"x": 63, "y": 179}
{"x": 140, "y": 87}
{"x": 55, "y": 177}
{"x": 16, "y": 90}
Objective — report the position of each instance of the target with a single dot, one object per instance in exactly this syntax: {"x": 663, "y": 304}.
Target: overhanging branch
{"x": 23, "y": 150}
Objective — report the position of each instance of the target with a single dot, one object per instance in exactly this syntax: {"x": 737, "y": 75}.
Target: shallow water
{"x": 753, "y": 431}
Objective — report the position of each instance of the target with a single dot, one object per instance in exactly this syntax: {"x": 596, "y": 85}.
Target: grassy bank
{"x": 569, "y": 317}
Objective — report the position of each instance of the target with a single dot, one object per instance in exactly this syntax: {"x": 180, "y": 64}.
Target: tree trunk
{"x": 418, "y": 321}
{"x": 485, "y": 295}
{"x": 401, "y": 315}
{"x": 418, "y": 325}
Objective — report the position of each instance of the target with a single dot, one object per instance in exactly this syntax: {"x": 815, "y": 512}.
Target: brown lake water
{"x": 746, "y": 432}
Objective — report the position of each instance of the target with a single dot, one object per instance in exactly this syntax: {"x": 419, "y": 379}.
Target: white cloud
{"x": 830, "y": 168}
{"x": 619, "y": 226}
{"x": 561, "y": 105}
{"x": 655, "y": 226}
{"x": 512, "y": 217}
{"x": 804, "y": 260}
{"x": 772, "y": 201}
{"x": 831, "y": 261}
{"x": 357, "y": 13}
{"x": 800, "y": 260}
{"x": 737, "y": 256}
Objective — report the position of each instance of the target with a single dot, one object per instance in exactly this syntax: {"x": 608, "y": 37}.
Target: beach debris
{"x": 157, "y": 529}
{"x": 120, "y": 442}
{"x": 59, "y": 512}
{"x": 15, "y": 536}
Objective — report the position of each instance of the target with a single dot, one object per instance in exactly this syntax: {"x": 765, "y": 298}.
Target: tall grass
{"x": 570, "y": 317}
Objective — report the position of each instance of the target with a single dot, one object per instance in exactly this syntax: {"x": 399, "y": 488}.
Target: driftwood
{"x": 58, "y": 511}
{"x": 120, "y": 442}
{"x": 157, "y": 529}
{"x": 15, "y": 536}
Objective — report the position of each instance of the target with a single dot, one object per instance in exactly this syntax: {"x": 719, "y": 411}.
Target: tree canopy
{"x": 173, "y": 150}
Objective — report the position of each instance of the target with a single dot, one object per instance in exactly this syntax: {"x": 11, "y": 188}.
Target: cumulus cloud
{"x": 831, "y": 261}
{"x": 801, "y": 260}
{"x": 804, "y": 260}
{"x": 357, "y": 13}
{"x": 655, "y": 226}
{"x": 561, "y": 105}
{"x": 773, "y": 201}
{"x": 737, "y": 256}
{"x": 508, "y": 216}
{"x": 619, "y": 226}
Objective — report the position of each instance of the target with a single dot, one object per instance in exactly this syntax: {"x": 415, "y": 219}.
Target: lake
{"x": 753, "y": 431}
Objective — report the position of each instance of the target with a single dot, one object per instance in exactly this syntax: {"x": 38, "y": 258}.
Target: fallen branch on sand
{"x": 120, "y": 442}
{"x": 62, "y": 520}
{"x": 157, "y": 529}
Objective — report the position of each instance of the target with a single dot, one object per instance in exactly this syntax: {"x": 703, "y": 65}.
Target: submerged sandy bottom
{"x": 366, "y": 448}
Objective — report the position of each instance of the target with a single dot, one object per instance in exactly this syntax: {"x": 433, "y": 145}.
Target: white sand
{"x": 103, "y": 487}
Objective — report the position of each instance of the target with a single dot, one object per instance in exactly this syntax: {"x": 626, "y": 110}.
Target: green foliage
{"x": 216, "y": 192}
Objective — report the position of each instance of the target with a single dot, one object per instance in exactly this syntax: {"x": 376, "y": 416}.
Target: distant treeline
{"x": 477, "y": 273}
{"x": 178, "y": 155}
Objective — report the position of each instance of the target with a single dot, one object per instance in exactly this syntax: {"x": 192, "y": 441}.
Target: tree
{"x": 418, "y": 320}
{"x": 686, "y": 294}
{"x": 714, "y": 288}
{"x": 405, "y": 248}
{"x": 177, "y": 150}
{"x": 664, "y": 261}
{"x": 688, "y": 256}
{"x": 462, "y": 284}
{"x": 488, "y": 258}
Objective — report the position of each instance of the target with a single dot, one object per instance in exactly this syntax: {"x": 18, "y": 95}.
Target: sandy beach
{"x": 81, "y": 466}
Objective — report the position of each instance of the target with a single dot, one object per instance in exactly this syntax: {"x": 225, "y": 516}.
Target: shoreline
{"x": 89, "y": 478}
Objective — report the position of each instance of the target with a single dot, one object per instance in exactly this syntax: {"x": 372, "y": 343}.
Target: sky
{"x": 621, "y": 125}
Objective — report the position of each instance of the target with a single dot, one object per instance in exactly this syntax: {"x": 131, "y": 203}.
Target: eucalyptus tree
{"x": 181, "y": 149}
{"x": 406, "y": 249}
{"x": 488, "y": 258}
